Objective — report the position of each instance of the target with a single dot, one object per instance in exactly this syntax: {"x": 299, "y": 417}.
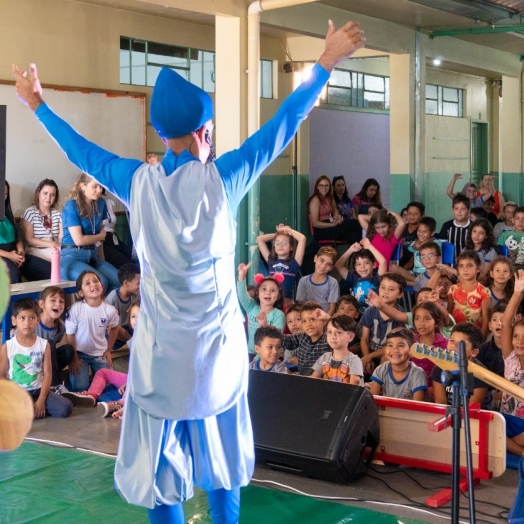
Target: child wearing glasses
{"x": 430, "y": 256}
{"x": 285, "y": 257}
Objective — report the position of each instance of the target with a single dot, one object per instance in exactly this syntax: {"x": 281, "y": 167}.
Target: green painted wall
{"x": 399, "y": 192}
{"x": 513, "y": 187}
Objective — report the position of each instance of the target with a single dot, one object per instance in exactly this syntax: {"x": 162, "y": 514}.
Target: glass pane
{"x": 209, "y": 72}
{"x": 373, "y": 100}
{"x": 138, "y": 63}
{"x": 125, "y": 66}
{"x": 431, "y": 91}
{"x": 167, "y": 55}
{"x": 461, "y": 107}
{"x": 266, "y": 79}
{"x": 195, "y": 68}
{"x": 450, "y": 109}
{"x": 152, "y": 73}
{"x": 340, "y": 78}
{"x": 374, "y": 83}
{"x": 338, "y": 95}
{"x": 450, "y": 95}
{"x": 431, "y": 107}
{"x": 387, "y": 94}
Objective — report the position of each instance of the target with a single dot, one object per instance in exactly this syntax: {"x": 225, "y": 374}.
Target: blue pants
{"x": 75, "y": 260}
{"x": 55, "y": 405}
{"x": 80, "y": 381}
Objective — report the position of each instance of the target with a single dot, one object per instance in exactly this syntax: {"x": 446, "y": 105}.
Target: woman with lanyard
{"x": 328, "y": 223}
{"x": 42, "y": 230}
{"x": 84, "y": 234}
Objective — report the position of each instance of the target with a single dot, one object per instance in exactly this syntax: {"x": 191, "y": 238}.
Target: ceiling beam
{"x": 478, "y": 30}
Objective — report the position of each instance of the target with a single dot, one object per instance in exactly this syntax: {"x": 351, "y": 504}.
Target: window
{"x": 266, "y": 79}
{"x": 444, "y": 101}
{"x": 141, "y": 61}
{"x": 354, "y": 89}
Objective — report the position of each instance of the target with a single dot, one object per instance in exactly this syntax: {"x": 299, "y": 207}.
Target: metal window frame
{"x": 440, "y": 100}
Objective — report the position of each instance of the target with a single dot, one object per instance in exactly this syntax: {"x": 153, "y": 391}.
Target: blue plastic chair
{"x": 516, "y": 513}
{"x": 448, "y": 254}
{"x": 504, "y": 251}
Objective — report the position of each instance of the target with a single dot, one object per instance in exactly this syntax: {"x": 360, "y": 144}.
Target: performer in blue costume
{"x": 186, "y": 418}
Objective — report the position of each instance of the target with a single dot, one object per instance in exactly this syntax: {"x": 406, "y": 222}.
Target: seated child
{"x": 26, "y": 360}
{"x": 106, "y": 376}
{"x": 339, "y": 364}
{"x": 311, "y": 343}
{"x": 426, "y": 294}
{"x": 376, "y": 324}
{"x": 319, "y": 286}
{"x": 472, "y": 338}
{"x": 456, "y": 231}
{"x": 87, "y": 323}
{"x": 359, "y": 282}
{"x": 430, "y": 257}
{"x": 268, "y": 341}
{"x": 507, "y": 223}
{"x": 398, "y": 377}
{"x": 514, "y": 240}
{"x": 490, "y": 353}
{"x": 293, "y": 321}
{"x": 425, "y": 233}
{"x": 348, "y": 305}
{"x": 122, "y": 297}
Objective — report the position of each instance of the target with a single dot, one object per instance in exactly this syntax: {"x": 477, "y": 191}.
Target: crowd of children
{"x": 343, "y": 322}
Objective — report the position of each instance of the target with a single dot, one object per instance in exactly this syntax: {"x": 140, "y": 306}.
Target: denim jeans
{"x": 55, "y": 405}
{"x": 75, "y": 260}
{"x": 80, "y": 381}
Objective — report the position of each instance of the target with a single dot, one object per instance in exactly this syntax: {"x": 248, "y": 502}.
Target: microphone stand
{"x": 459, "y": 380}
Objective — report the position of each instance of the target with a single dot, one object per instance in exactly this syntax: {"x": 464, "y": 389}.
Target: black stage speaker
{"x": 311, "y": 426}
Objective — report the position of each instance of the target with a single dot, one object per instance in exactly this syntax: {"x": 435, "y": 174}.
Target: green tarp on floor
{"x": 48, "y": 485}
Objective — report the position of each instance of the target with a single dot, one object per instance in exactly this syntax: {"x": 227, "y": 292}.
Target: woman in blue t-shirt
{"x": 11, "y": 247}
{"x": 84, "y": 234}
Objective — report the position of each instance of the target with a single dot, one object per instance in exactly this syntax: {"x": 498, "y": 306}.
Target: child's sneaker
{"x": 83, "y": 398}
{"x": 60, "y": 389}
{"x": 107, "y": 408}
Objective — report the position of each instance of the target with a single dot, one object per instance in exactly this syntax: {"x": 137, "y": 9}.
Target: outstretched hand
{"x": 341, "y": 44}
{"x": 242, "y": 270}
{"x": 28, "y": 90}
{"x": 519, "y": 281}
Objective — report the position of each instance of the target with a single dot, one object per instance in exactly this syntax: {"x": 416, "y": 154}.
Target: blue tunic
{"x": 191, "y": 356}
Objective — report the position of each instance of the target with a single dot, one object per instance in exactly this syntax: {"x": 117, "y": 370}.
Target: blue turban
{"x": 177, "y": 106}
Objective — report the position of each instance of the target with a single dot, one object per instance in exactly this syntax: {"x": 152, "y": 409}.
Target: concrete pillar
{"x": 402, "y": 118}
{"x": 510, "y": 139}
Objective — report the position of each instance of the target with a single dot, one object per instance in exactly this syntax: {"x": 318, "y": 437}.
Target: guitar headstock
{"x": 443, "y": 358}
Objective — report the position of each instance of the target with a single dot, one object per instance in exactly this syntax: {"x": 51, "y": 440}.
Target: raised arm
{"x": 491, "y": 188}
{"x": 299, "y": 238}
{"x": 382, "y": 263}
{"x": 262, "y": 241}
{"x": 240, "y": 168}
{"x": 509, "y": 314}
{"x": 401, "y": 225}
{"x": 449, "y": 190}
{"x": 340, "y": 266}
{"x": 363, "y": 220}
{"x": 111, "y": 171}
{"x": 391, "y": 312}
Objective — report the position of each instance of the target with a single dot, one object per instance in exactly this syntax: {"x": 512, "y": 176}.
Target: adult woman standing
{"x": 328, "y": 223}
{"x": 341, "y": 197}
{"x": 486, "y": 187}
{"x": 42, "y": 230}
{"x": 84, "y": 234}
{"x": 11, "y": 246}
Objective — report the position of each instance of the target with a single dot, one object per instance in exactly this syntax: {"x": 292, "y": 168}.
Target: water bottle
{"x": 55, "y": 265}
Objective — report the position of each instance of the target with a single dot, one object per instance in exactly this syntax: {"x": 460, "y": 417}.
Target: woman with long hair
{"x": 328, "y": 223}
{"x": 11, "y": 246}
{"x": 341, "y": 197}
{"x": 42, "y": 230}
{"x": 84, "y": 234}
{"x": 369, "y": 194}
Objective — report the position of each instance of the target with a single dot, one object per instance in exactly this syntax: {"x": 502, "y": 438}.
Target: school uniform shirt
{"x": 359, "y": 287}
{"x": 289, "y": 269}
{"x": 26, "y": 364}
{"x": 89, "y": 325}
{"x": 421, "y": 281}
{"x": 514, "y": 373}
{"x": 477, "y": 383}
{"x": 418, "y": 267}
{"x": 487, "y": 256}
{"x": 455, "y": 234}
{"x": 415, "y": 380}
{"x": 339, "y": 370}
{"x": 378, "y": 327}
{"x": 122, "y": 306}
{"x": 277, "y": 367}
{"x": 491, "y": 356}
{"x": 500, "y": 228}
{"x": 325, "y": 294}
